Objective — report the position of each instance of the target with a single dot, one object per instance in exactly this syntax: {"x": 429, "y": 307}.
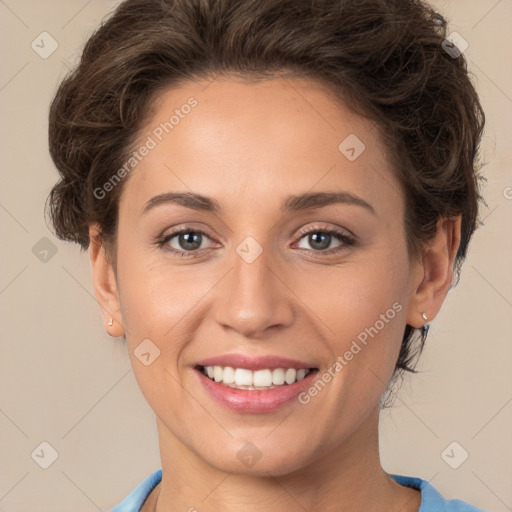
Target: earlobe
{"x": 436, "y": 270}
{"x": 105, "y": 285}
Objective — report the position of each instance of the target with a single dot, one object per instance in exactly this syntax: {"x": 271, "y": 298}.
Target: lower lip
{"x": 255, "y": 402}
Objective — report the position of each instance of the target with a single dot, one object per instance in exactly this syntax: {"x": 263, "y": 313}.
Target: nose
{"x": 254, "y": 299}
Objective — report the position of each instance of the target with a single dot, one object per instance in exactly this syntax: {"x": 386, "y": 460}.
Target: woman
{"x": 275, "y": 196}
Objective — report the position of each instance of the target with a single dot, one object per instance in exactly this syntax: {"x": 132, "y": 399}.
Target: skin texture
{"x": 249, "y": 146}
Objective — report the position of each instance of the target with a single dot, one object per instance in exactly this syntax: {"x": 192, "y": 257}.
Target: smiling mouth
{"x": 258, "y": 380}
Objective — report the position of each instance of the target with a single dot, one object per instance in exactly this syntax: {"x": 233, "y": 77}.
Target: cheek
{"x": 362, "y": 311}
{"x": 163, "y": 304}
{"x": 155, "y": 301}
{"x": 154, "y": 296}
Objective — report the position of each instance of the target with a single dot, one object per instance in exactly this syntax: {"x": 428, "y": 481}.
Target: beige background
{"x": 66, "y": 382}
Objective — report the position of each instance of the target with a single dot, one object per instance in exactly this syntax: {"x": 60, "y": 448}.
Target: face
{"x": 266, "y": 275}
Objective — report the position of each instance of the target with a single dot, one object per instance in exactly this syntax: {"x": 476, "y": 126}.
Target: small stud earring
{"x": 426, "y": 325}
{"x": 110, "y": 322}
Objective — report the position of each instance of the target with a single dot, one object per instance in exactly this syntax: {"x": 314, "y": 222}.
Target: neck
{"x": 342, "y": 480}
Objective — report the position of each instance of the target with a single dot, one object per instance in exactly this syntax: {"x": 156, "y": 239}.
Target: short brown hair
{"x": 384, "y": 58}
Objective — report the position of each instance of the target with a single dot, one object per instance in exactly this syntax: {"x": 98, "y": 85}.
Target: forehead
{"x": 244, "y": 142}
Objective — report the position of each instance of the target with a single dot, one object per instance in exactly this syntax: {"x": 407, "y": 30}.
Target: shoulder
{"x": 431, "y": 499}
{"x": 136, "y": 498}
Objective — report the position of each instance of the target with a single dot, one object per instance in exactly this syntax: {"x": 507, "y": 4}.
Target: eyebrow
{"x": 299, "y": 202}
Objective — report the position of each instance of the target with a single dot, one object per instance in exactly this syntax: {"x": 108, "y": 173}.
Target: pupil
{"x": 187, "y": 240}
{"x": 323, "y": 244}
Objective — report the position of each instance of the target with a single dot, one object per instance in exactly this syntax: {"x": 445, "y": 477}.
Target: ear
{"x": 435, "y": 273}
{"x": 105, "y": 284}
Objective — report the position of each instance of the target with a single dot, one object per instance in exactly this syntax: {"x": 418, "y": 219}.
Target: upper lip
{"x": 254, "y": 363}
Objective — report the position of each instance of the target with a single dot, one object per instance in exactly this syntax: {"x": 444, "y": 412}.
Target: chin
{"x": 248, "y": 460}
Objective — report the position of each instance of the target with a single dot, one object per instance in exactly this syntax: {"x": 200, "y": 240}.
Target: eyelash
{"x": 341, "y": 236}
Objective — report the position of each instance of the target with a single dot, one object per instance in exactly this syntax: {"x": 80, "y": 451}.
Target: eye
{"x": 321, "y": 238}
{"x": 189, "y": 242}
{"x": 185, "y": 242}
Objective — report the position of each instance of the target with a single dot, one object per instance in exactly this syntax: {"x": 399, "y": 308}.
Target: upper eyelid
{"x": 301, "y": 232}
{"x": 338, "y": 230}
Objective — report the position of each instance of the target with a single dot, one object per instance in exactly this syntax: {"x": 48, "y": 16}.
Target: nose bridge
{"x": 252, "y": 297}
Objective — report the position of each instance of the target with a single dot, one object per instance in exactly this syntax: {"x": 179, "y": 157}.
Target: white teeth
{"x": 301, "y": 374}
{"x": 243, "y": 377}
{"x": 229, "y": 375}
{"x": 290, "y": 375}
{"x": 278, "y": 376}
{"x": 262, "y": 378}
{"x": 218, "y": 373}
{"x": 247, "y": 379}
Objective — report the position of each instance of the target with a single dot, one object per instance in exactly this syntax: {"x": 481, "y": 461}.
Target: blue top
{"x": 431, "y": 500}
